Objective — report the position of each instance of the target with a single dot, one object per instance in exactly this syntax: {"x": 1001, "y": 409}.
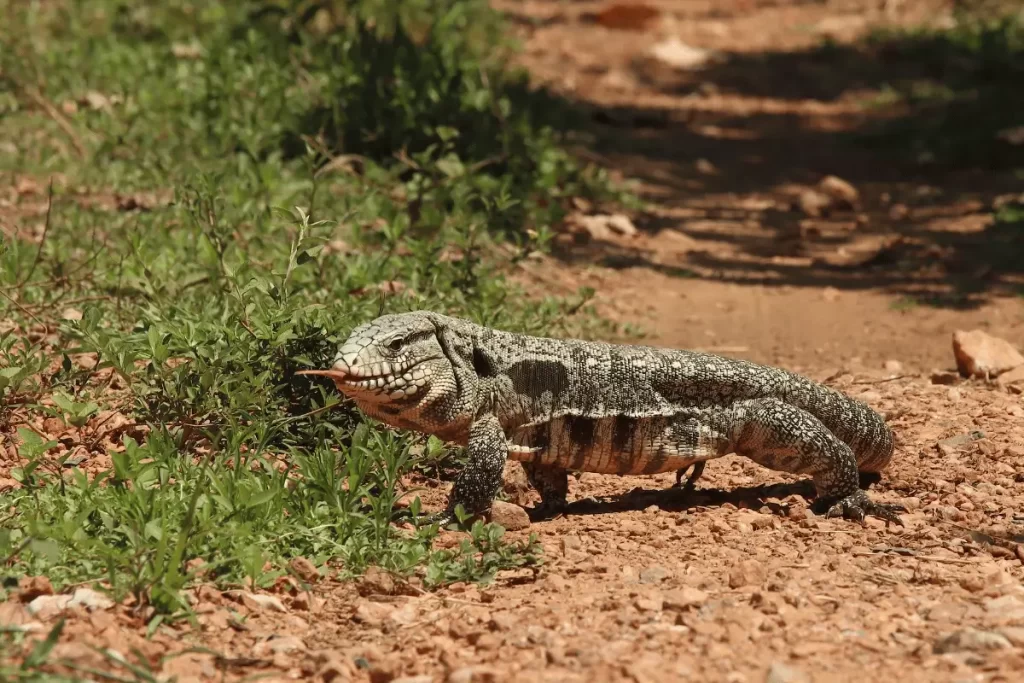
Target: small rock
{"x": 650, "y": 603}
{"x": 502, "y": 621}
{"x": 683, "y": 598}
{"x": 633, "y": 527}
{"x": 48, "y": 606}
{"x": 842, "y": 193}
{"x": 515, "y": 484}
{"x": 814, "y": 203}
{"x": 678, "y": 55}
{"x": 31, "y": 587}
{"x": 570, "y": 543}
{"x": 979, "y": 354}
{"x": 653, "y": 574}
{"x": 334, "y": 670}
{"x": 830, "y": 294}
{"x": 753, "y": 521}
{"x": 603, "y": 227}
{"x": 473, "y": 674}
{"x": 278, "y": 645}
{"x": 945, "y": 377}
{"x": 301, "y": 601}
{"x": 898, "y": 212}
{"x": 508, "y": 515}
{"x": 304, "y": 569}
{"x": 1014, "y": 377}
{"x": 1014, "y": 634}
{"x": 631, "y": 16}
{"x": 90, "y": 599}
{"x": 747, "y": 573}
{"x": 372, "y": 613}
{"x": 705, "y": 167}
{"x": 555, "y": 583}
{"x": 376, "y": 581}
{"x": 425, "y": 678}
{"x": 973, "y": 583}
{"x": 783, "y": 673}
{"x": 256, "y": 601}
{"x": 1007, "y": 608}
{"x": 949, "y": 446}
{"x": 893, "y": 366}
{"x": 971, "y": 640}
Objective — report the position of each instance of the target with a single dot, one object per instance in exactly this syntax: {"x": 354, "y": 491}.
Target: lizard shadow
{"x": 678, "y": 500}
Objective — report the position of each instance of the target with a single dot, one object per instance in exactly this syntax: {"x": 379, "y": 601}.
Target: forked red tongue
{"x": 333, "y": 374}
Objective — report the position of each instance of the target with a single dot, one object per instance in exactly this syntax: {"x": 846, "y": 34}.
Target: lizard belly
{"x": 614, "y": 445}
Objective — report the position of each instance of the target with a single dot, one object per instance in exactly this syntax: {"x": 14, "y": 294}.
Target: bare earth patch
{"x": 737, "y": 581}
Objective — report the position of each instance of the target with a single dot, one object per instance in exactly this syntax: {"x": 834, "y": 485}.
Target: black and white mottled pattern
{"x": 560, "y": 405}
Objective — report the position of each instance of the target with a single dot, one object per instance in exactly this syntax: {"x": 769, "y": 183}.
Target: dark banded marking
{"x": 581, "y": 438}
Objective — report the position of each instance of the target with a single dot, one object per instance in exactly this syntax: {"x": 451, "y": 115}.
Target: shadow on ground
{"x": 678, "y": 500}
{"x": 917, "y": 122}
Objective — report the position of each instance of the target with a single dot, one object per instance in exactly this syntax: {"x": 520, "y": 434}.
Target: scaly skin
{"x": 560, "y": 405}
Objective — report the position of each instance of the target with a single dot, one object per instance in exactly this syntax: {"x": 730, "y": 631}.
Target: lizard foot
{"x": 691, "y": 481}
{"x": 547, "y": 510}
{"x": 857, "y": 506}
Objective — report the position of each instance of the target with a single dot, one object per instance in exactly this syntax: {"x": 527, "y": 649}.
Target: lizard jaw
{"x": 393, "y": 386}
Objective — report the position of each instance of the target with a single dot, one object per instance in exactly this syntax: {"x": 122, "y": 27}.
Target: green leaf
{"x": 45, "y": 548}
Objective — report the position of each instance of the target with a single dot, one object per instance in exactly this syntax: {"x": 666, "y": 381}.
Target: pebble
{"x": 783, "y": 673}
{"x": 979, "y": 354}
{"x": 654, "y": 574}
{"x": 842, "y": 192}
{"x": 31, "y": 587}
{"x": 372, "y": 613}
{"x": 376, "y": 581}
{"x": 1014, "y": 634}
{"x": 473, "y": 674}
{"x": 972, "y": 640}
{"x": 683, "y": 598}
{"x": 747, "y": 573}
{"x": 258, "y": 601}
{"x": 570, "y": 543}
{"x": 276, "y": 645}
{"x": 510, "y": 516}
{"x": 633, "y": 527}
{"x": 304, "y": 569}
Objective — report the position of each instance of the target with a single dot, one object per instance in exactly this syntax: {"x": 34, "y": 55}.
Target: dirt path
{"x": 737, "y": 582}
{"x": 726, "y": 152}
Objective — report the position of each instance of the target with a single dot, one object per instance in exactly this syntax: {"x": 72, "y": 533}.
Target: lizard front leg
{"x": 478, "y": 483}
{"x": 785, "y": 438}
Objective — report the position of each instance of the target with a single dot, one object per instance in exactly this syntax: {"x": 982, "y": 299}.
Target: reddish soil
{"x": 736, "y": 582}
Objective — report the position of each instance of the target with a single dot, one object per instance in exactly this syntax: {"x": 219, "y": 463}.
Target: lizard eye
{"x": 395, "y": 344}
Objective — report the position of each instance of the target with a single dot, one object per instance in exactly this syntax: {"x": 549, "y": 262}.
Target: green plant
{"x": 231, "y": 193}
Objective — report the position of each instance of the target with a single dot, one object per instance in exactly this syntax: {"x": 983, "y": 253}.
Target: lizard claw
{"x": 857, "y": 506}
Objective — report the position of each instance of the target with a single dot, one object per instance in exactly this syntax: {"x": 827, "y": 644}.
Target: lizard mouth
{"x": 376, "y": 383}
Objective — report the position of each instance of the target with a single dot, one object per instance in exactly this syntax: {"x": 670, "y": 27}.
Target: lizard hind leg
{"x": 785, "y": 438}
{"x": 552, "y": 483}
{"x": 698, "y": 470}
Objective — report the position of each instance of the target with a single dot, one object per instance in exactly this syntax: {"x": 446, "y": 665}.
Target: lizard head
{"x": 394, "y": 367}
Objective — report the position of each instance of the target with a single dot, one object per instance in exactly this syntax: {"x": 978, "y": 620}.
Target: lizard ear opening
{"x": 483, "y": 364}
